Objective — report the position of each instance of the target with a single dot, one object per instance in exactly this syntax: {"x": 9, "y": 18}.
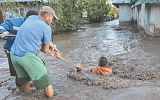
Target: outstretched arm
{"x": 78, "y": 66}
{"x": 5, "y": 29}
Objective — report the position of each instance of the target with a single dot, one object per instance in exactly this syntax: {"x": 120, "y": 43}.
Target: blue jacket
{"x": 10, "y": 27}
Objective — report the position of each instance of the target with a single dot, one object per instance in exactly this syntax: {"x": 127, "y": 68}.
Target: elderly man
{"x": 10, "y": 27}
{"x": 34, "y": 35}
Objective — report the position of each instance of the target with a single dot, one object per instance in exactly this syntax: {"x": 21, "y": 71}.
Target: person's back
{"x": 32, "y": 34}
{"x": 101, "y": 68}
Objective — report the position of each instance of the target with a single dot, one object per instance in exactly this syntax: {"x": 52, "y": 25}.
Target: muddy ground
{"x": 133, "y": 56}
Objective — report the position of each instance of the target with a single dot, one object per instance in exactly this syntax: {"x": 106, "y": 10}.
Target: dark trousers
{"x": 11, "y": 68}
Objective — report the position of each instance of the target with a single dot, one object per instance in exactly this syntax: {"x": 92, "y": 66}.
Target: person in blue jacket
{"x": 10, "y": 27}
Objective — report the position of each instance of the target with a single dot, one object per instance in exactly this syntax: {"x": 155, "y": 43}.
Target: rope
{"x": 100, "y": 71}
{"x": 6, "y": 35}
{"x": 50, "y": 52}
{"x": 68, "y": 61}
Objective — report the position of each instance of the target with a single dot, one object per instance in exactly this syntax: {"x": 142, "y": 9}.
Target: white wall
{"x": 135, "y": 13}
{"x": 155, "y": 15}
{"x": 155, "y": 19}
{"x": 125, "y": 13}
{"x": 142, "y": 16}
{"x": 154, "y": 28}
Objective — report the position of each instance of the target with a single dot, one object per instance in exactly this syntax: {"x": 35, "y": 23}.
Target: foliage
{"x": 70, "y": 12}
{"x": 113, "y": 11}
{"x": 10, "y": 8}
{"x": 97, "y": 9}
{"x": 117, "y": 13}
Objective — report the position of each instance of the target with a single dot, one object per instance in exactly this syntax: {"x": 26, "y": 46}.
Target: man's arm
{"x": 55, "y": 50}
{"x": 5, "y": 29}
{"x": 79, "y": 66}
{"x": 45, "y": 48}
{"x": 54, "y": 45}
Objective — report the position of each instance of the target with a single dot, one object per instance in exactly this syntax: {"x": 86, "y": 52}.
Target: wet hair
{"x": 31, "y": 12}
{"x": 103, "y": 61}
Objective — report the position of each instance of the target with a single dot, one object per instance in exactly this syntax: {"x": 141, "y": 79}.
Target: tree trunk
{"x": 1, "y": 17}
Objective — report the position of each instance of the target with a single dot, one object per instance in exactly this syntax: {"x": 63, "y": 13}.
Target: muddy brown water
{"x": 133, "y": 56}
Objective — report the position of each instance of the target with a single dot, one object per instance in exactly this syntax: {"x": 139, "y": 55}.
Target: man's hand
{"x": 57, "y": 53}
{"x": 78, "y": 66}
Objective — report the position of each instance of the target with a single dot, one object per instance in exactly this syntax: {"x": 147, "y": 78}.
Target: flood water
{"x": 136, "y": 67}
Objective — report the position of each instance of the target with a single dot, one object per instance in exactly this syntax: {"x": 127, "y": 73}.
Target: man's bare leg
{"x": 26, "y": 87}
{"x": 49, "y": 91}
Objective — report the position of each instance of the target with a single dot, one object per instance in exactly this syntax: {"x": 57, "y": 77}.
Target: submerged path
{"x": 136, "y": 71}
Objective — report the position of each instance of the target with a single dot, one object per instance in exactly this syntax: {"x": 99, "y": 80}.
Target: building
{"x": 145, "y": 14}
{"x": 125, "y": 11}
{"x": 17, "y": 8}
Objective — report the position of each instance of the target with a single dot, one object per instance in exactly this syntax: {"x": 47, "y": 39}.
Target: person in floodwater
{"x": 10, "y": 27}
{"x": 34, "y": 35}
{"x": 100, "y": 69}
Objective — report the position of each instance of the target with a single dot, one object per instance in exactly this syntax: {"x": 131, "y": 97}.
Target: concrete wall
{"x": 134, "y": 17}
{"x": 142, "y": 16}
{"x": 135, "y": 13}
{"x": 155, "y": 20}
{"x": 125, "y": 14}
{"x": 154, "y": 28}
